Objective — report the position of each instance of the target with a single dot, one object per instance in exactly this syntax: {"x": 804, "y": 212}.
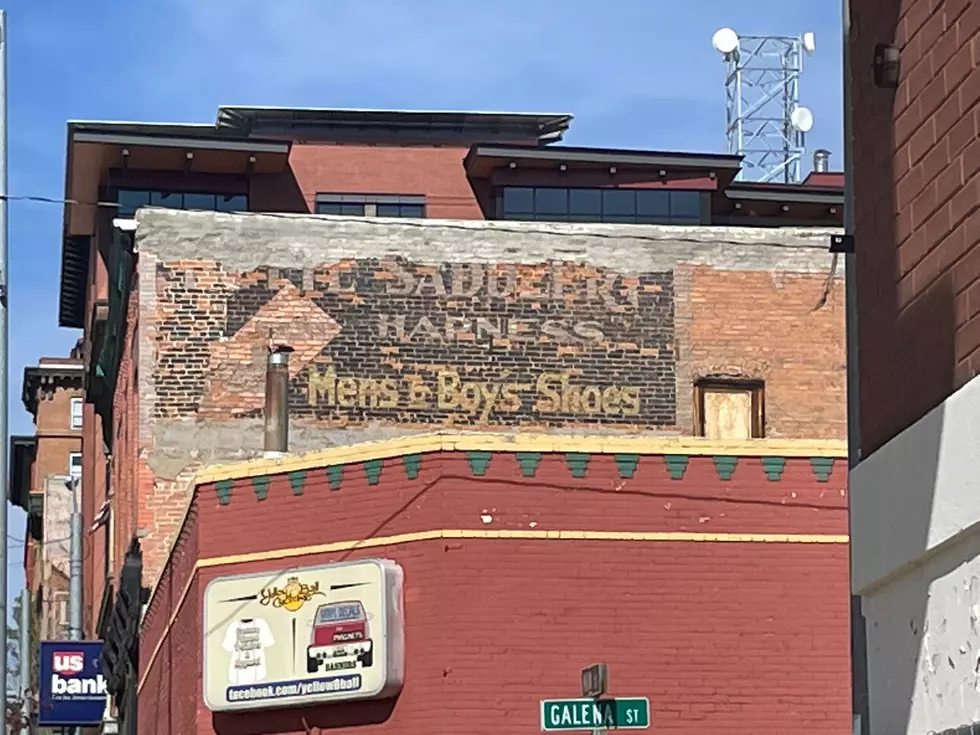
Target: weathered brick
{"x": 409, "y": 327}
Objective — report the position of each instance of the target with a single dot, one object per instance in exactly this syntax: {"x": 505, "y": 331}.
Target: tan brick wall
{"x": 785, "y": 329}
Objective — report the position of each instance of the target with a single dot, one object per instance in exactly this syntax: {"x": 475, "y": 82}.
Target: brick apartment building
{"x": 40, "y": 467}
{"x": 916, "y": 166}
{"x": 627, "y": 292}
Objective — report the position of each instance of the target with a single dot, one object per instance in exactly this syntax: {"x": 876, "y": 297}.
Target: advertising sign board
{"x": 72, "y": 688}
{"x": 303, "y": 635}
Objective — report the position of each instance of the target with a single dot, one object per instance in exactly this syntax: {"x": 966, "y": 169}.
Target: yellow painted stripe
{"x": 451, "y": 441}
{"x": 479, "y": 533}
{"x": 530, "y": 534}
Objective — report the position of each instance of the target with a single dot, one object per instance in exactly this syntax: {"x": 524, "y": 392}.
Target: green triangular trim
{"x": 577, "y": 462}
{"x": 676, "y": 465}
{"x": 223, "y": 487}
{"x": 478, "y": 461}
{"x": 335, "y": 474}
{"x": 528, "y": 462}
{"x": 626, "y": 464}
{"x": 773, "y": 467}
{"x": 260, "y": 484}
{"x": 412, "y": 463}
{"x": 297, "y": 478}
{"x": 372, "y": 468}
{"x": 822, "y": 467}
{"x": 725, "y": 465}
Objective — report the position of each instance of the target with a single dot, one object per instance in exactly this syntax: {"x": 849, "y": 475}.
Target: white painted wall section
{"x": 920, "y": 490}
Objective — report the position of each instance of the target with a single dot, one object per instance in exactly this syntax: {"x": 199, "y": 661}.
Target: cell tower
{"x": 766, "y": 123}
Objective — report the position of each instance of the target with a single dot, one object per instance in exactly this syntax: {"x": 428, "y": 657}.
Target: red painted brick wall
{"x": 917, "y": 189}
{"x": 729, "y": 637}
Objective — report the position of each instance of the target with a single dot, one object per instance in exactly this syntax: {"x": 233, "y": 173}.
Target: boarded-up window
{"x": 729, "y": 409}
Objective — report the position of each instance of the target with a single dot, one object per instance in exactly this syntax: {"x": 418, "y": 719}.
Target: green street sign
{"x": 559, "y": 715}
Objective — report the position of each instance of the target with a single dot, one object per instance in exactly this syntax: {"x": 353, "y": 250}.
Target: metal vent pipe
{"x": 277, "y": 401}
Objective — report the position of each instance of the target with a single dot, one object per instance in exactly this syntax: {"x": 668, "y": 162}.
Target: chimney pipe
{"x": 277, "y": 401}
{"x": 821, "y": 161}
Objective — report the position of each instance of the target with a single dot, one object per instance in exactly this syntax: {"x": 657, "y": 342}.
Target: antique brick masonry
{"x": 737, "y": 637}
{"x": 406, "y": 327}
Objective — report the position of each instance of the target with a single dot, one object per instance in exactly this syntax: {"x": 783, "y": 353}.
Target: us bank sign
{"x": 304, "y": 636}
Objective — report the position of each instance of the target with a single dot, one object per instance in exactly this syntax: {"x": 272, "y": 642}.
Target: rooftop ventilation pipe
{"x": 277, "y": 401}
{"x": 821, "y": 161}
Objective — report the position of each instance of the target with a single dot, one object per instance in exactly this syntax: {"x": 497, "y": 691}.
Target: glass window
{"x": 232, "y": 203}
{"x": 169, "y": 199}
{"x": 585, "y": 205}
{"x": 652, "y": 205}
{"x": 77, "y": 405}
{"x": 518, "y": 200}
{"x": 550, "y": 204}
{"x": 401, "y": 210}
{"x": 685, "y": 205}
{"x": 130, "y": 200}
{"x": 75, "y": 465}
{"x": 618, "y": 205}
{"x": 642, "y": 206}
{"x": 202, "y": 202}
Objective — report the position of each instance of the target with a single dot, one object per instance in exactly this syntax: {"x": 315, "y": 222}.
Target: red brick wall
{"x": 436, "y": 173}
{"x": 917, "y": 189}
{"x": 733, "y": 637}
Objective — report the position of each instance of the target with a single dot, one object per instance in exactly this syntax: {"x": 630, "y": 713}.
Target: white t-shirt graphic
{"x": 246, "y": 641}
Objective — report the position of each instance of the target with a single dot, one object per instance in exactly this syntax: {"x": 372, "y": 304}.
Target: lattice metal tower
{"x": 766, "y": 123}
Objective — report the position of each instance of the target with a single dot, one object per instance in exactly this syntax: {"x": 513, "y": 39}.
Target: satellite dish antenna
{"x": 801, "y": 119}
{"x": 725, "y": 41}
{"x": 809, "y": 42}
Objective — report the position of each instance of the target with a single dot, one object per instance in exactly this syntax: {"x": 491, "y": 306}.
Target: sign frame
{"x": 57, "y": 709}
{"x": 386, "y": 639}
{"x": 593, "y": 700}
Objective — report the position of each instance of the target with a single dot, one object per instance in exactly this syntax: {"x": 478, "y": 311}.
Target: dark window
{"x": 585, "y": 205}
{"x": 130, "y": 200}
{"x": 202, "y": 202}
{"x": 630, "y": 206}
{"x": 518, "y": 203}
{"x": 232, "y": 203}
{"x": 401, "y": 210}
{"x": 378, "y": 205}
{"x": 619, "y": 205}
{"x": 349, "y": 208}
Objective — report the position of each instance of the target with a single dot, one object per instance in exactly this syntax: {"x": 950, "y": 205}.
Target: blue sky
{"x": 635, "y": 73}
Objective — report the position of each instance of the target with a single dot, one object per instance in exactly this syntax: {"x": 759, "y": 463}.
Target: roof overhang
{"x": 786, "y": 194}
{"x": 95, "y": 148}
{"x": 48, "y": 376}
{"x": 330, "y": 124}
{"x": 483, "y": 159}
{"x": 22, "y": 453}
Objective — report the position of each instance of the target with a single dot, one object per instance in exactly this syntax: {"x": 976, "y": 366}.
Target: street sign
{"x": 595, "y": 679}
{"x": 558, "y": 715}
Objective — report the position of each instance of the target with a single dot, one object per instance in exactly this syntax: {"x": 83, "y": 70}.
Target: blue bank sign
{"x": 72, "y": 688}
